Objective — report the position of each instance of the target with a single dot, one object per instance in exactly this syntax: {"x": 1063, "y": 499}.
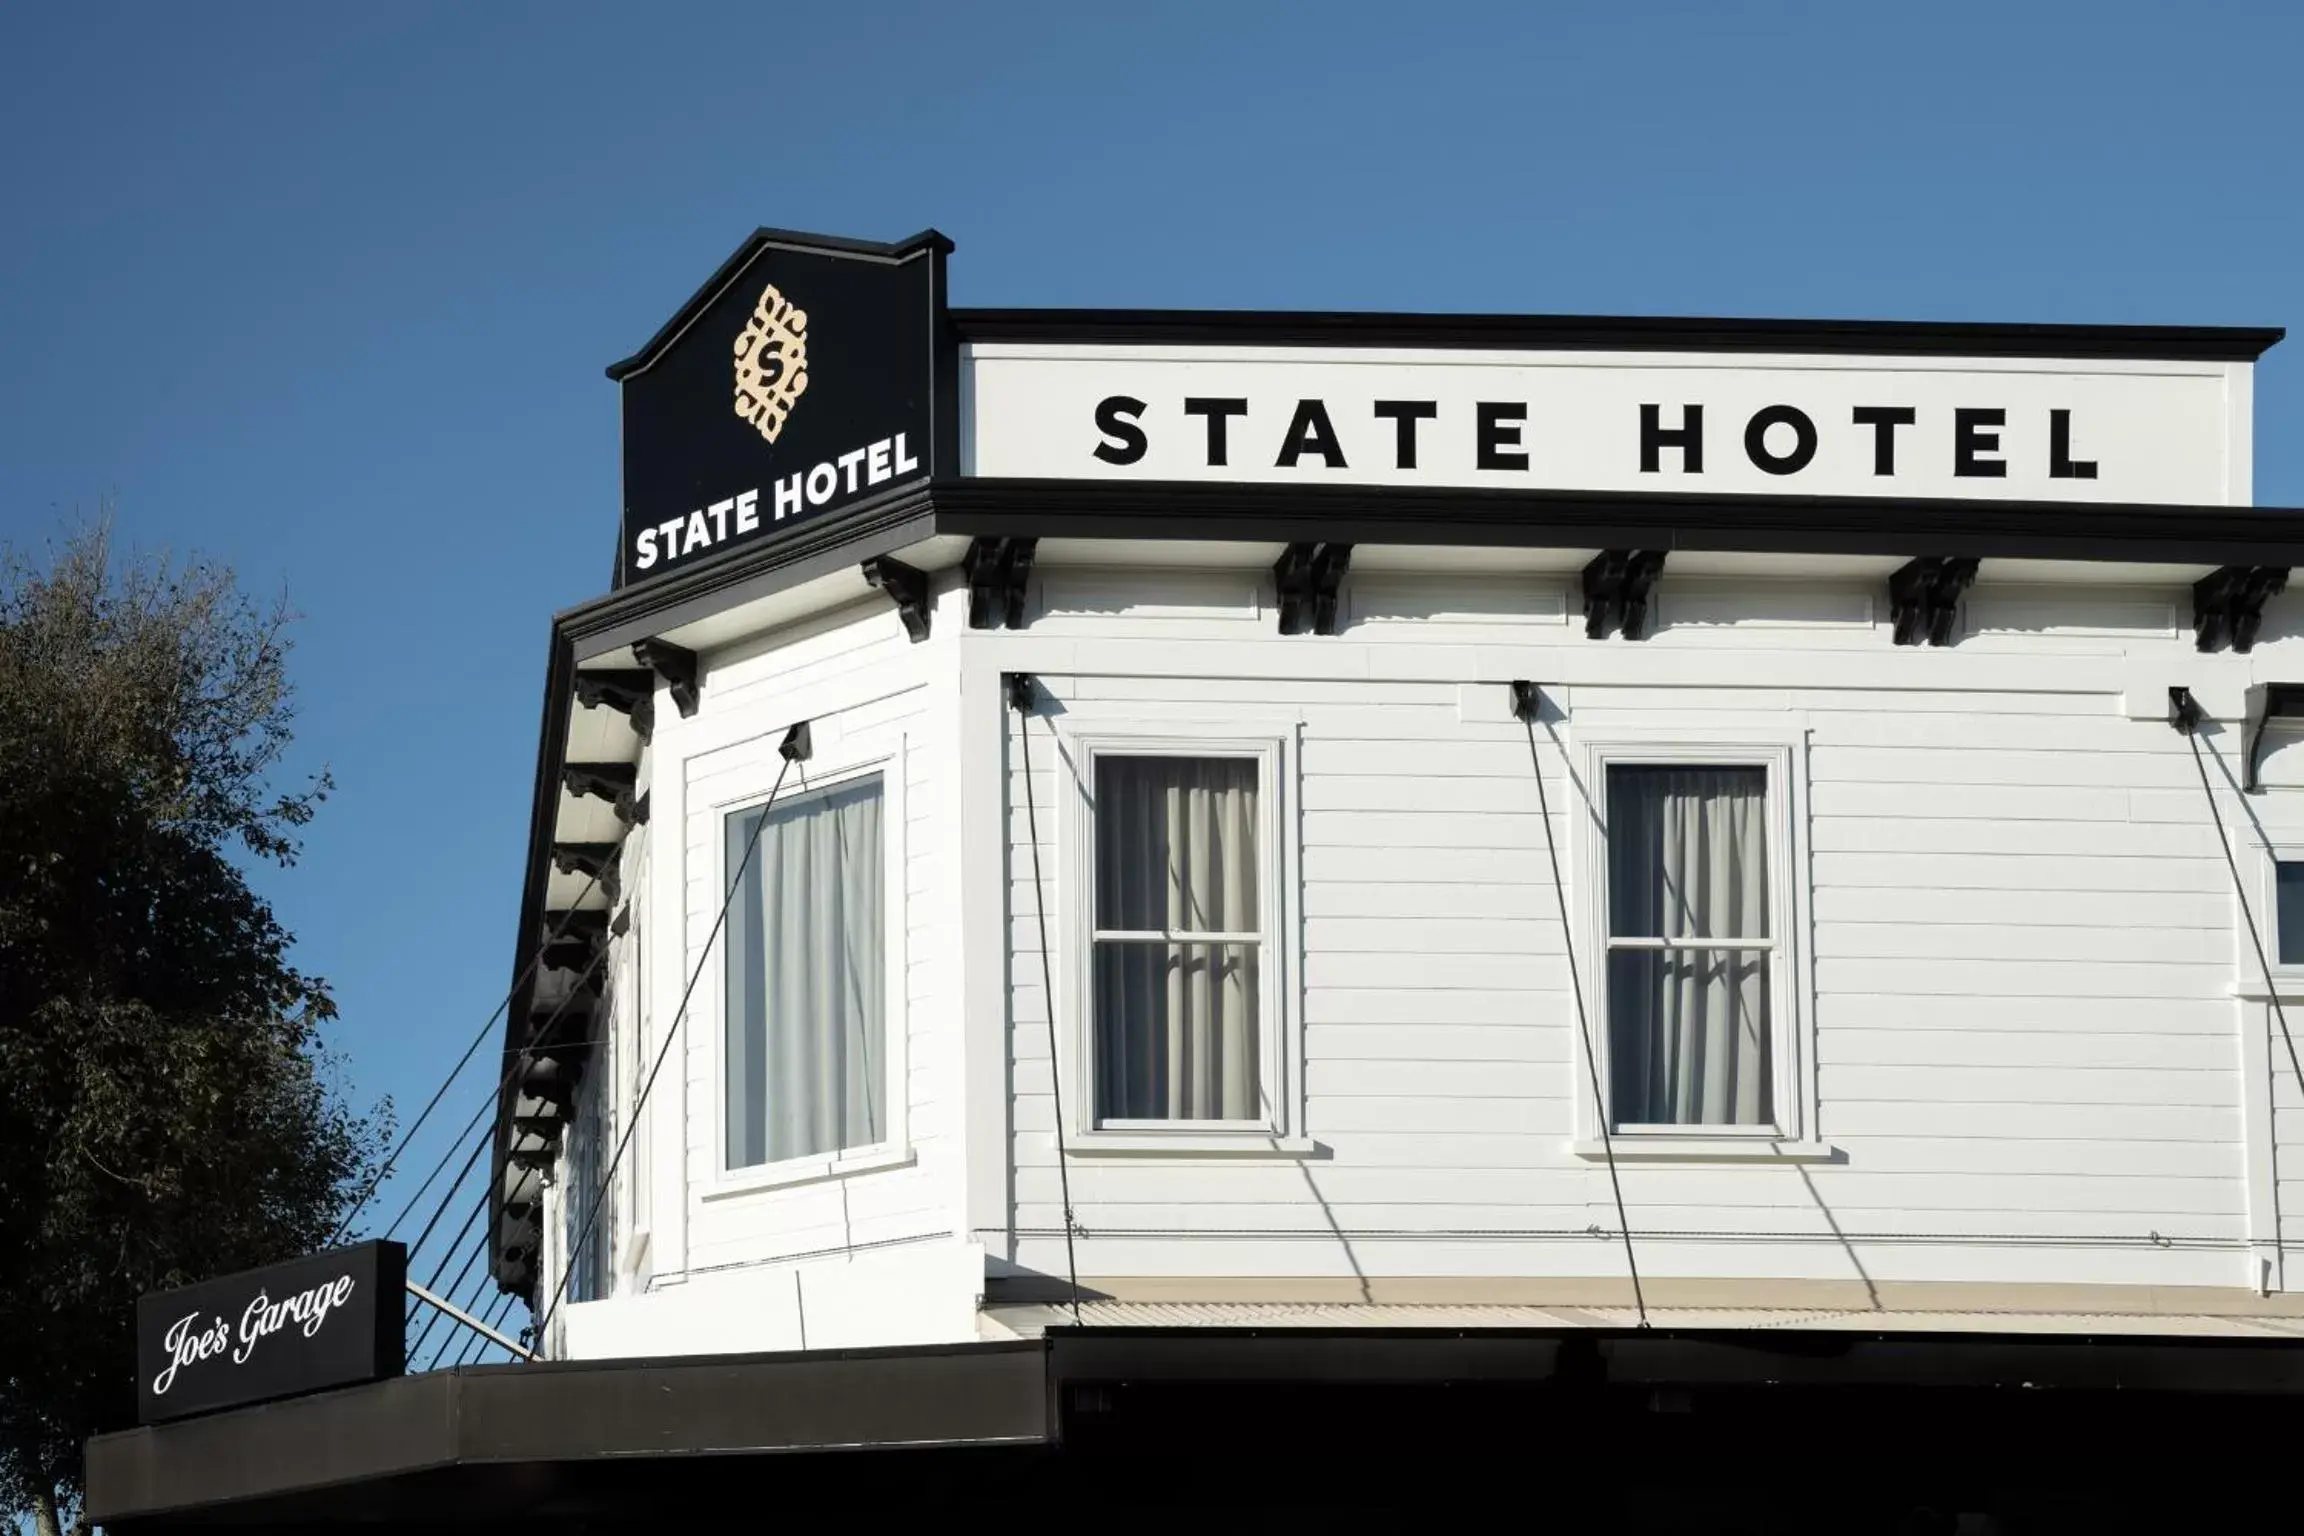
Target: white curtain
{"x": 1176, "y": 852}
{"x": 1688, "y": 1026}
{"x": 806, "y": 1049}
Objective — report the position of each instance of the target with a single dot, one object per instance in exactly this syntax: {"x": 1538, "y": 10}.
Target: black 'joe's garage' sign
{"x": 327, "y": 1321}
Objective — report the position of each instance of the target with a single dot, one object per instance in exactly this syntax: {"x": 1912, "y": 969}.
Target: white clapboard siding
{"x": 857, "y": 678}
{"x": 2022, "y": 1024}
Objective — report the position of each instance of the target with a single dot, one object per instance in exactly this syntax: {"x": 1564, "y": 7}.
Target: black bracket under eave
{"x": 2281, "y": 701}
{"x": 1924, "y": 597}
{"x": 2228, "y": 605}
{"x": 595, "y": 859}
{"x": 1617, "y": 586}
{"x": 906, "y": 587}
{"x": 630, "y": 691}
{"x": 1306, "y": 579}
{"x": 616, "y": 783}
{"x": 676, "y": 665}
{"x": 997, "y": 571}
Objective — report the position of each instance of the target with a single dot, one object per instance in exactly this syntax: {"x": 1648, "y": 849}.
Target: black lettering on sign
{"x": 2061, "y": 464}
{"x": 1217, "y": 412}
{"x": 1688, "y": 437}
{"x": 1497, "y": 445}
{"x": 1803, "y": 439}
{"x": 1404, "y": 414}
{"x": 1116, "y": 418}
{"x": 1884, "y": 420}
{"x": 1971, "y": 440}
{"x": 1310, "y": 431}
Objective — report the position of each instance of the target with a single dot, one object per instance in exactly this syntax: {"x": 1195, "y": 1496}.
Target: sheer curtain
{"x": 805, "y": 978}
{"x": 1175, "y": 1006}
{"x": 1688, "y": 1005}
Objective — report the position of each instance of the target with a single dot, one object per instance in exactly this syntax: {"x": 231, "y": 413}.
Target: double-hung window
{"x": 1178, "y": 942}
{"x": 1689, "y": 953}
{"x": 1694, "y": 919}
{"x": 806, "y": 977}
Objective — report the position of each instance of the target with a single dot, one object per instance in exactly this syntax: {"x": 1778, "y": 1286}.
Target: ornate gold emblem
{"x": 771, "y": 362}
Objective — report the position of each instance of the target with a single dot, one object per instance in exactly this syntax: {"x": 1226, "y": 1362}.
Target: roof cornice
{"x": 1612, "y": 333}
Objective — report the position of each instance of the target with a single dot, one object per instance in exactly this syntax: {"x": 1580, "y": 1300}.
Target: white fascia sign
{"x": 2016, "y": 429}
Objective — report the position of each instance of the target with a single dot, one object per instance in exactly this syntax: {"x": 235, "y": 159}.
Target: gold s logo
{"x": 771, "y": 363}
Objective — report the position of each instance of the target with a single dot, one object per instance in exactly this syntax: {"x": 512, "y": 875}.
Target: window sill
{"x": 808, "y": 1170}
{"x": 1705, "y": 1149}
{"x": 1188, "y": 1144}
{"x": 2287, "y": 989}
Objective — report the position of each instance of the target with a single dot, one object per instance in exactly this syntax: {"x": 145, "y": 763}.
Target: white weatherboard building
{"x": 1376, "y": 821}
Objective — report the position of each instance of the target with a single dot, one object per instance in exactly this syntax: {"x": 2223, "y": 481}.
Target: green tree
{"x": 166, "y": 1109}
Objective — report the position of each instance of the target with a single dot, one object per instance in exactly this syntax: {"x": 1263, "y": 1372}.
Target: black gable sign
{"x": 810, "y": 375}
{"x": 327, "y": 1321}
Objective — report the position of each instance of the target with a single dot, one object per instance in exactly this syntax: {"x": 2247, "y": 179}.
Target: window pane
{"x": 1688, "y": 1037}
{"x": 804, "y": 978}
{"x": 2289, "y": 899}
{"x": 1176, "y": 1031}
{"x": 1687, "y": 852}
{"x": 1176, "y": 844}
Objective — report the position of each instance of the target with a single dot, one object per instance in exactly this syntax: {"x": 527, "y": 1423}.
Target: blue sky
{"x": 326, "y": 291}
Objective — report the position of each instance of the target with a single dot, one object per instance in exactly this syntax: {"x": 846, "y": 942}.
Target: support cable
{"x": 376, "y": 1181}
{"x": 520, "y": 1059}
{"x": 455, "y": 1285}
{"x": 465, "y": 1311}
{"x": 2185, "y": 714}
{"x": 448, "y": 1195}
{"x": 1019, "y": 689}
{"x": 432, "y": 1281}
{"x": 796, "y": 748}
{"x": 476, "y": 1346}
{"x": 1527, "y": 701}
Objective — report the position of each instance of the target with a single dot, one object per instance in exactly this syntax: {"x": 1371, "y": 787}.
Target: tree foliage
{"x": 166, "y": 1112}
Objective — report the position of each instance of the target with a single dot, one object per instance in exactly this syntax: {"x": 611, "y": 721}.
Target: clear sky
{"x": 326, "y": 290}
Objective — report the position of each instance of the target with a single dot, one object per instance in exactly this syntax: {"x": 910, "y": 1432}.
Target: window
{"x": 806, "y": 980}
{"x": 1691, "y": 861}
{"x": 2288, "y": 902}
{"x": 1689, "y": 954}
{"x": 587, "y": 1183}
{"x": 1177, "y": 942}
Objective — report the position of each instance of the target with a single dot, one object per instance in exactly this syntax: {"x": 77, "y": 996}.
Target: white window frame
{"x": 2264, "y": 906}
{"x": 1280, "y": 1065}
{"x": 851, "y": 761}
{"x": 1792, "y": 1137}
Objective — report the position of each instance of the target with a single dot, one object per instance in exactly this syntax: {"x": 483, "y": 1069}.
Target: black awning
{"x": 475, "y": 1443}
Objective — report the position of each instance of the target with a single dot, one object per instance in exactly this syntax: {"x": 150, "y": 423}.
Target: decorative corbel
{"x": 997, "y": 572}
{"x": 906, "y": 587}
{"x": 1617, "y": 586}
{"x": 595, "y": 859}
{"x": 630, "y": 691}
{"x": 616, "y": 783}
{"x": 2228, "y": 605}
{"x": 676, "y": 666}
{"x": 1307, "y": 579}
{"x": 1924, "y": 597}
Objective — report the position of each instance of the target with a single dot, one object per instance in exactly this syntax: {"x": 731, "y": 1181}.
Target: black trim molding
{"x": 1612, "y": 333}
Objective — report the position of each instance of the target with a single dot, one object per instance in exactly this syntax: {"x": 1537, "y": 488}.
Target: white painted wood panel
{"x": 2023, "y": 1021}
